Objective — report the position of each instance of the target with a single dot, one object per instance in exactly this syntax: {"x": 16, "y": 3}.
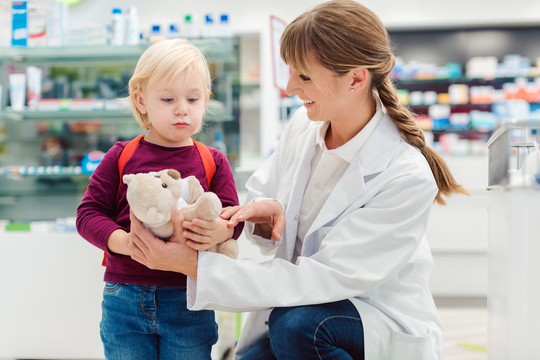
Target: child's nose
{"x": 180, "y": 109}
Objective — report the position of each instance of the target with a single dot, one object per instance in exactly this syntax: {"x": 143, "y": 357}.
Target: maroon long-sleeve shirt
{"x": 99, "y": 213}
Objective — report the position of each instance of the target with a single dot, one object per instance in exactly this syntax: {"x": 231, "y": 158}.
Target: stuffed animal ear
{"x": 173, "y": 173}
{"x": 127, "y": 178}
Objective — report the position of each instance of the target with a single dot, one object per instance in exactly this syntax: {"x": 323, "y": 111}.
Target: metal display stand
{"x": 514, "y": 242}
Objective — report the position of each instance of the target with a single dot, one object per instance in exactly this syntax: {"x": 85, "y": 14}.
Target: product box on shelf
{"x": 19, "y": 23}
{"x": 37, "y": 24}
{"x": 57, "y": 23}
{"x": 5, "y": 24}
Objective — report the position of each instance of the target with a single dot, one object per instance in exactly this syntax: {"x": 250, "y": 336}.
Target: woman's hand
{"x": 268, "y": 215}
{"x": 156, "y": 254}
{"x": 203, "y": 235}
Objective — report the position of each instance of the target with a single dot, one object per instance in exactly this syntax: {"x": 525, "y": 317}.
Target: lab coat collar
{"x": 349, "y": 150}
{"x": 379, "y": 148}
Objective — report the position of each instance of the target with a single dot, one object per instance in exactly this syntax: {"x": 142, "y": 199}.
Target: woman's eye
{"x": 304, "y": 77}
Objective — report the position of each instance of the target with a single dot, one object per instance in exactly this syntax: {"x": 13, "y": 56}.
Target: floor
{"x": 464, "y": 324}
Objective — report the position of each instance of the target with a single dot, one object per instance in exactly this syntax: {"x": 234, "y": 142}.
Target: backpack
{"x": 208, "y": 161}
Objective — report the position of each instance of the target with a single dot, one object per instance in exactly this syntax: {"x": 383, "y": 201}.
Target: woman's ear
{"x": 138, "y": 99}
{"x": 359, "y": 77}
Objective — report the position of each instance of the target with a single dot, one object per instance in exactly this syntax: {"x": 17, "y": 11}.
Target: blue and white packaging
{"x": 91, "y": 161}
{"x": 19, "y": 23}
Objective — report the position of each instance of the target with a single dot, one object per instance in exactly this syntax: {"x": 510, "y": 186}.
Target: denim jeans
{"x": 325, "y": 331}
{"x": 149, "y": 322}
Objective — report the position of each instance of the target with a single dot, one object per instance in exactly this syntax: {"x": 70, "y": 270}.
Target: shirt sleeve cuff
{"x": 193, "y": 292}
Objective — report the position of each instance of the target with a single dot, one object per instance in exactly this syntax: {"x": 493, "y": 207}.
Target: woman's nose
{"x": 292, "y": 88}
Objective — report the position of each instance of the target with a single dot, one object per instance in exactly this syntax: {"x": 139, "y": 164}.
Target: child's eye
{"x": 192, "y": 99}
{"x": 167, "y": 100}
{"x": 304, "y": 77}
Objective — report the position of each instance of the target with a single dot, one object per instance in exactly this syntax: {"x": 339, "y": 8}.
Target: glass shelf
{"x": 459, "y": 80}
{"x": 213, "y": 114}
{"x": 71, "y": 115}
{"x": 215, "y": 50}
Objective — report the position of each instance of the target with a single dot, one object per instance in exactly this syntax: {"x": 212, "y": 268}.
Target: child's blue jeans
{"x": 324, "y": 331}
{"x": 152, "y": 322}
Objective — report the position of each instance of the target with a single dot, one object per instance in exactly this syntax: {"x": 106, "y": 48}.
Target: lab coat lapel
{"x": 373, "y": 158}
{"x": 306, "y": 149}
{"x": 349, "y": 188}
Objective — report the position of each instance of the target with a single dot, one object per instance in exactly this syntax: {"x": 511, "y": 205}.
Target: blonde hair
{"x": 165, "y": 60}
{"x": 342, "y": 35}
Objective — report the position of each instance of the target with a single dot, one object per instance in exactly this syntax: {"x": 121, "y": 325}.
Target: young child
{"x": 144, "y": 313}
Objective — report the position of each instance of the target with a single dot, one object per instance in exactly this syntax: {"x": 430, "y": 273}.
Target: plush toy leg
{"x": 207, "y": 207}
{"x": 228, "y": 248}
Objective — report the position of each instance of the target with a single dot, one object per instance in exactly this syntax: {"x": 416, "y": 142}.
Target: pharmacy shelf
{"x": 64, "y": 115}
{"x": 460, "y": 80}
{"x": 215, "y": 49}
{"x": 213, "y": 114}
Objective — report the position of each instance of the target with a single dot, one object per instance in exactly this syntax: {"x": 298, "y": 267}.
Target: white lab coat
{"x": 367, "y": 245}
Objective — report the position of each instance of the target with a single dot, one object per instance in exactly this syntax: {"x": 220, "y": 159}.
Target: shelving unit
{"x": 435, "y": 60}
{"x": 78, "y": 132}
{"x": 472, "y": 118}
{"x": 458, "y": 232}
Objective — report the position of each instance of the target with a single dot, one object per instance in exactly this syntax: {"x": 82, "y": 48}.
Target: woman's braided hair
{"x": 343, "y": 35}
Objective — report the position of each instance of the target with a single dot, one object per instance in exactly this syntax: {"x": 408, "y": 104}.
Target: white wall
{"x": 252, "y": 15}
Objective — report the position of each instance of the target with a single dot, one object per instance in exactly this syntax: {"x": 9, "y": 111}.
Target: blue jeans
{"x": 324, "y": 331}
{"x": 149, "y": 322}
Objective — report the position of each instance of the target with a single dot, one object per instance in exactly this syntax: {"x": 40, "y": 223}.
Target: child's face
{"x": 175, "y": 110}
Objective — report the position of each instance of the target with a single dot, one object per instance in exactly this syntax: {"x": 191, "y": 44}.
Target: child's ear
{"x": 139, "y": 102}
{"x": 207, "y": 98}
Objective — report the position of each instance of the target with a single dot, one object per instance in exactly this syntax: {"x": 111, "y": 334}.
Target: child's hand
{"x": 203, "y": 235}
{"x": 118, "y": 242}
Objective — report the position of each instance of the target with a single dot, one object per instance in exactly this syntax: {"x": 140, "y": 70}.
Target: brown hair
{"x": 343, "y": 35}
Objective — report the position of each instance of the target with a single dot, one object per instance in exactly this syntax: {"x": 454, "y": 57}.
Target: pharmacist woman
{"x": 343, "y": 205}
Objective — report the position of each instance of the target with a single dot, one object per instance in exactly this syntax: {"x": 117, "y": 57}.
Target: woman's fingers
{"x": 178, "y": 220}
{"x": 278, "y": 228}
{"x": 136, "y": 236}
{"x": 229, "y": 211}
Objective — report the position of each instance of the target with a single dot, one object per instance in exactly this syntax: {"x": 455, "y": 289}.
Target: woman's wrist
{"x": 190, "y": 268}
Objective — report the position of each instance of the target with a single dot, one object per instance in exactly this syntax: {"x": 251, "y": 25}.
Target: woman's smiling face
{"x": 325, "y": 94}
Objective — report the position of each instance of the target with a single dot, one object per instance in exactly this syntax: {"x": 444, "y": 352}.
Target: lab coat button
{"x": 296, "y": 218}
{"x": 266, "y": 323}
